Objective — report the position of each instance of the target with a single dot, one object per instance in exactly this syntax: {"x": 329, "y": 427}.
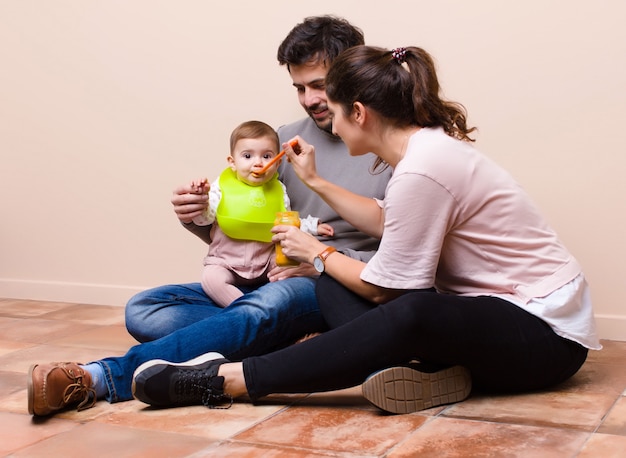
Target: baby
{"x": 242, "y": 208}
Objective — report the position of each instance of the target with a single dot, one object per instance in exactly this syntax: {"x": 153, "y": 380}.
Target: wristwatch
{"x": 320, "y": 260}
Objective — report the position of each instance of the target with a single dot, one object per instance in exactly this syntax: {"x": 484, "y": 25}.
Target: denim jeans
{"x": 157, "y": 312}
{"x": 267, "y": 318}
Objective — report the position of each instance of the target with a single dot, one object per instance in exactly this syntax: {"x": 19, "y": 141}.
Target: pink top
{"x": 457, "y": 221}
{"x": 247, "y": 258}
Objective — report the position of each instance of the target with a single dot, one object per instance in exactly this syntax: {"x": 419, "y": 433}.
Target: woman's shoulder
{"x": 432, "y": 149}
{"x": 434, "y": 139}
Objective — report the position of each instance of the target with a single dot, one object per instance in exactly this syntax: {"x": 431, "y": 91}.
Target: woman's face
{"x": 347, "y": 129}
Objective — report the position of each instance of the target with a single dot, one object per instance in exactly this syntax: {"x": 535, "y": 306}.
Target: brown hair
{"x": 318, "y": 38}
{"x": 402, "y": 87}
{"x": 253, "y": 129}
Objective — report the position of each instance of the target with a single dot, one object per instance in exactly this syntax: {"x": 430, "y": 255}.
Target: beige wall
{"x": 105, "y": 106}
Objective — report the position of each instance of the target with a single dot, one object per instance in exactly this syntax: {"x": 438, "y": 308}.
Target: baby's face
{"x": 250, "y": 155}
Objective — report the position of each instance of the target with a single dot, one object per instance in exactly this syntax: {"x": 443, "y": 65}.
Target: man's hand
{"x": 303, "y": 270}
{"x": 191, "y": 200}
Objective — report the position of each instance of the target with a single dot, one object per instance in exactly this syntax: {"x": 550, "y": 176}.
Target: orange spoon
{"x": 273, "y": 161}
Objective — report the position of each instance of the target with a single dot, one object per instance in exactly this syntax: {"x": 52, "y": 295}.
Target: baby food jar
{"x": 291, "y": 218}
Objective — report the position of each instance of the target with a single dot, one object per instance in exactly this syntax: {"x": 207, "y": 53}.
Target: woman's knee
{"x": 338, "y": 304}
{"x": 412, "y": 310}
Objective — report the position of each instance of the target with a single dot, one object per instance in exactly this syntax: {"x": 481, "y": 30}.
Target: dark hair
{"x": 318, "y": 38}
{"x": 404, "y": 90}
{"x": 253, "y": 129}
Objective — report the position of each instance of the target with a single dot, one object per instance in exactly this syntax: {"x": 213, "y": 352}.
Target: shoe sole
{"x": 198, "y": 362}
{"x": 31, "y": 390}
{"x": 406, "y": 390}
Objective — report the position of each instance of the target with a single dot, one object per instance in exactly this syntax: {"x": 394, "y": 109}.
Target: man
{"x": 180, "y": 322}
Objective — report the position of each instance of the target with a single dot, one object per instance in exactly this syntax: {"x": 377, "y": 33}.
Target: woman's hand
{"x": 302, "y": 158}
{"x": 296, "y": 244}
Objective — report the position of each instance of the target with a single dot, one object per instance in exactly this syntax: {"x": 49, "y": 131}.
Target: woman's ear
{"x": 359, "y": 113}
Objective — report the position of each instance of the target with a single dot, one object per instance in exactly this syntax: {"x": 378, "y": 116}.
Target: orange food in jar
{"x": 290, "y": 218}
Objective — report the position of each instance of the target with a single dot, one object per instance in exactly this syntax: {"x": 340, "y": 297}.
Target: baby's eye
{"x": 246, "y": 155}
{"x": 267, "y": 156}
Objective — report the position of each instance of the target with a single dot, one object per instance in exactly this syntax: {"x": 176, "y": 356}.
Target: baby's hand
{"x": 200, "y": 186}
{"x": 325, "y": 229}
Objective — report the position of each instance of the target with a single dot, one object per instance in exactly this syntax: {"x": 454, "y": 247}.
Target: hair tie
{"x": 399, "y": 54}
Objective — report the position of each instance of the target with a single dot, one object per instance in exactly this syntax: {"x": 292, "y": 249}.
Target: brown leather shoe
{"x": 54, "y": 386}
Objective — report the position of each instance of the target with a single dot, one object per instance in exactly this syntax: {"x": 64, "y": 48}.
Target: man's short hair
{"x": 320, "y": 39}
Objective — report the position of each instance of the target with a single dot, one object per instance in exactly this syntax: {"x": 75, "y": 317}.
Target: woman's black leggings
{"x": 505, "y": 348}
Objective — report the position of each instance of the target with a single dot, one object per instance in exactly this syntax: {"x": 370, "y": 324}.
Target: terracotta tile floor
{"x": 585, "y": 417}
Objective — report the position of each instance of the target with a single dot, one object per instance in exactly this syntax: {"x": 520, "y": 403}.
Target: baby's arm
{"x": 325, "y": 229}
{"x": 312, "y": 225}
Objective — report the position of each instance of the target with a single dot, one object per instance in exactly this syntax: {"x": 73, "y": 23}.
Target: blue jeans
{"x": 185, "y": 323}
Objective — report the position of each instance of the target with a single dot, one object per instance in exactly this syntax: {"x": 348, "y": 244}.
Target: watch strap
{"x": 327, "y": 252}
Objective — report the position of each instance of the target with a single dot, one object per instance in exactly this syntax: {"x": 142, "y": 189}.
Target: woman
{"x": 469, "y": 287}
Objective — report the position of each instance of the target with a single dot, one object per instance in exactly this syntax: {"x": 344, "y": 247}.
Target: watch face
{"x": 318, "y": 264}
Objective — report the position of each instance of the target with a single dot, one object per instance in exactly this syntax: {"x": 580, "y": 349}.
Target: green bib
{"x": 247, "y": 212}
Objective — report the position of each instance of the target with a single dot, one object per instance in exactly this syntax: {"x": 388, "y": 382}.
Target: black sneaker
{"x": 407, "y": 389}
{"x": 164, "y": 384}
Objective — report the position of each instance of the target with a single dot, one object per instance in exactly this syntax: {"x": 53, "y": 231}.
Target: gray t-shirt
{"x": 333, "y": 163}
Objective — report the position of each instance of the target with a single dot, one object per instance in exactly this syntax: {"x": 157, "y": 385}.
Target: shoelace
{"x": 78, "y": 390}
{"x": 210, "y": 400}
{"x": 195, "y": 386}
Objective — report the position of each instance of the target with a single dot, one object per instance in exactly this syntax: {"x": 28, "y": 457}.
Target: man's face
{"x": 308, "y": 79}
